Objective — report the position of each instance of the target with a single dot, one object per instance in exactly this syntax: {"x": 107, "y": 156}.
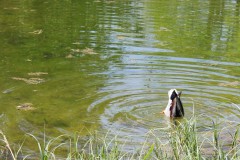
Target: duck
{"x": 174, "y": 107}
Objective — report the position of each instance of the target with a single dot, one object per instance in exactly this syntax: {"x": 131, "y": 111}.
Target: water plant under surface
{"x": 185, "y": 141}
{"x": 108, "y": 64}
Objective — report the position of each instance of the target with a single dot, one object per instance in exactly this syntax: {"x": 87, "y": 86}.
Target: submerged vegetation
{"x": 184, "y": 142}
{"x": 107, "y": 63}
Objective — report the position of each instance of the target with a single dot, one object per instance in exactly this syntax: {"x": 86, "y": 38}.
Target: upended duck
{"x": 174, "y": 107}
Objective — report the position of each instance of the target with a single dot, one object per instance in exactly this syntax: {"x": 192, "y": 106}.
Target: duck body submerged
{"x": 174, "y": 107}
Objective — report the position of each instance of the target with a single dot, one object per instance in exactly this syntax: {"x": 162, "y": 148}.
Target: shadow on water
{"x": 109, "y": 64}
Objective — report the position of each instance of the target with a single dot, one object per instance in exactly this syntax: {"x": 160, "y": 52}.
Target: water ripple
{"x": 136, "y": 91}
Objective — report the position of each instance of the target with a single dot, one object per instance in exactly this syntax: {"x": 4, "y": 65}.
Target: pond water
{"x": 107, "y": 65}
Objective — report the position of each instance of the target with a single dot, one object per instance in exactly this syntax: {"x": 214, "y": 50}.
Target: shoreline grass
{"x": 184, "y": 142}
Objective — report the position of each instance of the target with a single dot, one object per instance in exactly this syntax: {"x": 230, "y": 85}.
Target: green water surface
{"x": 109, "y": 64}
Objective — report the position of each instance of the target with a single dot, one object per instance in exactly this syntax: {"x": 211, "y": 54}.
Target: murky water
{"x": 109, "y": 64}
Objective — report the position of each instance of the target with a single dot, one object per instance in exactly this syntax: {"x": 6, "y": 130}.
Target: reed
{"x": 184, "y": 143}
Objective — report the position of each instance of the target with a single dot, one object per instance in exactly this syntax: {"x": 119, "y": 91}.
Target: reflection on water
{"x": 142, "y": 49}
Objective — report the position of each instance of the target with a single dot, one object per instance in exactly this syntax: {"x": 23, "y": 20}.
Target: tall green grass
{"x": 183, "y": 143}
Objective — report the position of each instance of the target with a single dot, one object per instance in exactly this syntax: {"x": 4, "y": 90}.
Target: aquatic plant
{"x": 184, "y": 142}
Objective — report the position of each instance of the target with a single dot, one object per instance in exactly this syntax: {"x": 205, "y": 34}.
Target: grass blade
{"x": 149, "y": 152}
